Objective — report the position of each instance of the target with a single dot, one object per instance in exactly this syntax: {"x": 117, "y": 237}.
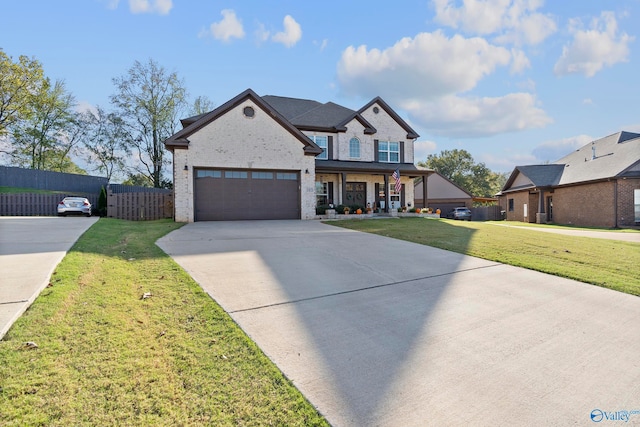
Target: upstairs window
{"x": 321, "y": 141}
{"x": 389, "y": 152}
{"x": 354, "y": 148}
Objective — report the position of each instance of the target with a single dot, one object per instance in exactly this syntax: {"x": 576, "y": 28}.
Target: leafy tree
{"x": 18, "y": 82}
{"x": 201, "y": 105}
{"x": 150, "y": 99}
{"x": 44, "y": 137}
{"x": 459, "y": 167}
{"x": 138, "y": 179}
{"x": 106, "y": 142}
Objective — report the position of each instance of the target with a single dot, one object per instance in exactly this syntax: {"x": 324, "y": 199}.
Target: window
{"x": 510, "y": 205}
{"x": 261, "y": 175}
{"x": 389, "y": 152}
{"x": 321, "y": 141}
{"x": 322, "y": 193}
{"x": 208, "y": 174}
{"x": 636, "y": 204}
{"x": 354, "y": 148}
{"x": 235, "y": 174}
{"x": 287, "y": 176}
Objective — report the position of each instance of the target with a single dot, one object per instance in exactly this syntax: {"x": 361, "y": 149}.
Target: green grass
{"x": 19, "y": 190}
{"x": 107, "y": 357}
{"x": 607, "y": 263}
{"x": 567, "y": 227}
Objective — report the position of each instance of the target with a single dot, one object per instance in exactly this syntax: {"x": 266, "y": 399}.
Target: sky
{"x": 513, "y": 82}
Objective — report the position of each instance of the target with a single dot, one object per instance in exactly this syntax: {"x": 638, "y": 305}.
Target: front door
{"x": 356, "y": 194}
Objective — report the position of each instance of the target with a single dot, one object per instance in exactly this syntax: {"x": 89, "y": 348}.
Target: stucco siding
{"x": 235, "y": 141}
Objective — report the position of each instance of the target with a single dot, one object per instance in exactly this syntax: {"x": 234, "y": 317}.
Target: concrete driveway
{"x": 380, "y": 332}
{"x": 30, "y": 249}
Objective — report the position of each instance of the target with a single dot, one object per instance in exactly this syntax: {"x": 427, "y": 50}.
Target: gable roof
{"x": 411, "y": 134}
{"x": 180, "y": 139}
{"x": 606, "y": 157}
{"x": 613, "y": 156}
{"x": 312, "y": 115}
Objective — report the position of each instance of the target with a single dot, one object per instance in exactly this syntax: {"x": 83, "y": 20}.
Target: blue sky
{"x": 511, "y": 81}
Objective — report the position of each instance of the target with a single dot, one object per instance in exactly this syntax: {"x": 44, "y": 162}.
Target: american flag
{"x": 396, "y": 176}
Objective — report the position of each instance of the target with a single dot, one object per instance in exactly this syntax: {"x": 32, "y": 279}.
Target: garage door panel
{"x": 246, "y": 195}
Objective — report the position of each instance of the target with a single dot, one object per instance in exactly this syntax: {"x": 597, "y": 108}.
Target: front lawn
{"x": 125, "y": 337}
{"x": 608, "y": 263}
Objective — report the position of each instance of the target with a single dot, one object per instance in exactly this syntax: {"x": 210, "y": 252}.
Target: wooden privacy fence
{"x": 34, "y": 204}
{"x": 139, "y": 206}
{"x": 487, "y": 213}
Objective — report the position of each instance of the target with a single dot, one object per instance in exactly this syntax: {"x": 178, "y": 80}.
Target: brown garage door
{"x": 226, "y": 195}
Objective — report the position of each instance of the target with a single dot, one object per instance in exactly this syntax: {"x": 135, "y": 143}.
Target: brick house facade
{"x": 279, "y": 158}
{"x": 597, "y": 185}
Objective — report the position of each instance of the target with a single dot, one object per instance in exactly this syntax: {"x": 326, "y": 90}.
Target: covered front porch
{"x": 366, "y": 185}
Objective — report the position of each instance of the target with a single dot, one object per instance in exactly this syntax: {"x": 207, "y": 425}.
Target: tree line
{"x": 41, "y": 128}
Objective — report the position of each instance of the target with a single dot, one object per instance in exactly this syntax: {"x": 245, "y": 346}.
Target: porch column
{"x": 343, "y": 194}
{"x": 386, "y": 193}
{"x": 540, "y": 215}
{"x": 424, "y": 190}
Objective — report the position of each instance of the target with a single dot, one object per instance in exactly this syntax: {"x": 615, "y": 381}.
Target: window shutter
{"x": 377, "y": 195}
{"x": 376, "y": 157}
{"x": 402, "y": 200}
{"x": 401, "y": 151}
{"x": 330, "y": 148}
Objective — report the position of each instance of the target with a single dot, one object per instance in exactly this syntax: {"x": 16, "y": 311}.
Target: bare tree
{"x": 106, "y": 142}
{"x": 149, "y": 99}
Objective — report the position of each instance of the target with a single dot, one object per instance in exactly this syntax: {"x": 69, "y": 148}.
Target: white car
{"x": 74, "y": 206}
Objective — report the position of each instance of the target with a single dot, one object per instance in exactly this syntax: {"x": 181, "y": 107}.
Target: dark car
{"x": 74, "y": 206}
{"x": 459, "y": 213}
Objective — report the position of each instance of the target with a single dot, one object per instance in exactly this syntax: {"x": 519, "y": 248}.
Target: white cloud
{"x": 421, "y": 149}
{"x": 322, "y": 44}
{"x": 427, "y": 66}
{"x": 161, "y": 7}
{"x": 506, "y": 161}
{"x": 587, "y": 101}
{"x": 291, "y": 35}
{"x": 550, "y": 151}
{"x": 476, "y": 117}
{"x": 594, "y": 48}
{"x": 520, "y": 61}
{"x": 510, "y": 21}
{"x": 426, "y": 76}
{"x": 229, "y": 27}
{"x": 262, "y": 34}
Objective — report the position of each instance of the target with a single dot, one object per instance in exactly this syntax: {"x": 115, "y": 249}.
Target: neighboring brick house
{"x": 442, "y": 194}
{"x": 278, "y": 158}
{"x": 597, "y": 185}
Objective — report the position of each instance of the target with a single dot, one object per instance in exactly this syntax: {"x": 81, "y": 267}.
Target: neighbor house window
{"x": 510, "y": 205}
{"x": 354, "y": 148}
{"x": 636, "y": 204}
{"x": 321, "y": 141}
{"x": 389, "y": 152}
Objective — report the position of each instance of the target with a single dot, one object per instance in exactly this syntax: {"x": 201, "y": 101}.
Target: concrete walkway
{"x": 30, "y": 250}
{"x": 380, "y": 332}
{"x": 595, "y": 234}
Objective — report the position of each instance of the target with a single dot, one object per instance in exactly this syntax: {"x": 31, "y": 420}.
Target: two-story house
{"x": 274, "y": 157}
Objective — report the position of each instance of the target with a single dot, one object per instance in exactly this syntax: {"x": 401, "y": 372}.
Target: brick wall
{"x": 519, "y": 200}
{"x": 590, "y": 205}
{"x": 626, "y": 213}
